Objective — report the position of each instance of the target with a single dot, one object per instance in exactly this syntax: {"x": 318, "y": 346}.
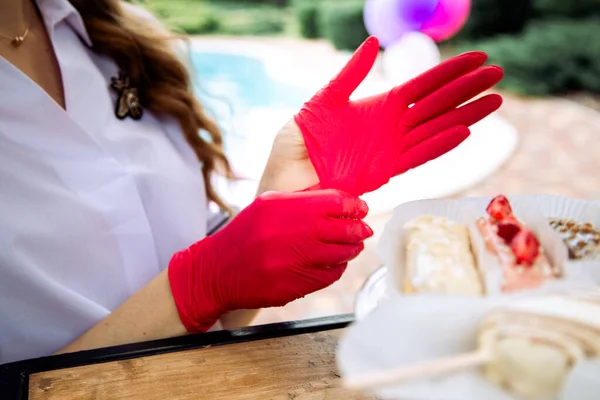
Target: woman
{"x": 105, "y": 178}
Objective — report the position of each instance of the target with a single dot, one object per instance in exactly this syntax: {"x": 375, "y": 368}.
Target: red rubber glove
{"x": 280, "y": 248}
{"x": 357, "y": 146}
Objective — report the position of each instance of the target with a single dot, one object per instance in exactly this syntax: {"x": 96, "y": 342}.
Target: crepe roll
{"x": 439, "y": 258}
{"x": 535, "y": 342}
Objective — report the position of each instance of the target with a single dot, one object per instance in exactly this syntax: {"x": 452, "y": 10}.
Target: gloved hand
{"x": 357, "y": 146}
{"x": 280, "y": 248}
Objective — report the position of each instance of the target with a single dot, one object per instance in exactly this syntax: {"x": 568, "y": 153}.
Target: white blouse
{"x": 91, "y": 207}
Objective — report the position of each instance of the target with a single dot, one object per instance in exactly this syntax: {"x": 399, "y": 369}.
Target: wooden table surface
{"x": 289, "y": 360}
{"x": 295, "y": 367}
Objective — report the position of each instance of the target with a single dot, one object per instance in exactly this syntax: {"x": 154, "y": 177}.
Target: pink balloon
{"x": 389, "y": 20}
{"x": 447, "y": 19}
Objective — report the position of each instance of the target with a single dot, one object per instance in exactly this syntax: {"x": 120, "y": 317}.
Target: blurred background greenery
{"x": 546, "y": 47}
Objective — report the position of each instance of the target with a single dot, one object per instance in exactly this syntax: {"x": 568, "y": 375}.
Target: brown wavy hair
{"x": 145, "y": 51}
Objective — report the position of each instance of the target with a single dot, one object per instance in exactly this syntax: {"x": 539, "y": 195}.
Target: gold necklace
{"x": 18, "y": 40}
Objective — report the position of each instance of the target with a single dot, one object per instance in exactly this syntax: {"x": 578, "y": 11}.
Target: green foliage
{"x": 219, "y": 17}
{"x": 567, "y": 8}
{"x": 342, "y": 23}
{"x": 489, "y": 18}
{"x": 185, "y": 16}
{"x": 256, "y": 20}
{"x": 550, "y": 57}
{"x": 278, "y": 3}
{"x": 307, "y": 14}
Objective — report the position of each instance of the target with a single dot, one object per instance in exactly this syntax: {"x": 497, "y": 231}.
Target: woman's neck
{"x": 15, "y": 16}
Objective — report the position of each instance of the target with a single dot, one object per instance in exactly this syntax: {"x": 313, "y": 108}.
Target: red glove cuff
{"x": 195, "y": 310}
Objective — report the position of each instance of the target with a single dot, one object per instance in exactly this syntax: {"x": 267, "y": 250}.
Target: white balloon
{"x": 410, "y": 56}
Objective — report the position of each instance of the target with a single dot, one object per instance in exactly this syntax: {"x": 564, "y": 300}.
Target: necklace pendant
{"x": 18, "y": 40}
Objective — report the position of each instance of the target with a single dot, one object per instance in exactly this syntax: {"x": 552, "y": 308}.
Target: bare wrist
{"x": 267, "y": 180}
{"x": 289, "y": 178}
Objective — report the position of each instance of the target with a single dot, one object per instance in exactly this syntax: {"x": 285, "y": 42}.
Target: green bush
{"x": 279, "y": 3}
{"x": 209, "y": 23}
{"x": 550, "y": 57}
{"x": 307, "y": 14}
{"x": 566, "y": 8}
{"x": 185, "y": 16}
{"x": 489, "y": 18}
{"x": 262, "y": 20}
{"x": 222, "y": 17}
{"x": 342, "y": 23}
{"x": 258, "y": 26}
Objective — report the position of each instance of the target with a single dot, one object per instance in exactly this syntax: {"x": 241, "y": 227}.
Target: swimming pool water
{"x": 242, "y": 82}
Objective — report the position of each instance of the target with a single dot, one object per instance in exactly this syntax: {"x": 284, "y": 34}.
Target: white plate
{"x": 374, "y": 290}
{"x": 371, "y": 293}
{"x": 394, "y": 330}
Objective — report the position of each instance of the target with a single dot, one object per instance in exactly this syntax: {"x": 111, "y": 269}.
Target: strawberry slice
{"x": 499, "y": 208}
{"x": 507, "y": 230}
{"x": 526, "y": 247}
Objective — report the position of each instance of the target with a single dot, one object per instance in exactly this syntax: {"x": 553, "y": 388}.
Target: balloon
{"x": 448, "y": 18}
{"x": 390, "y": 19}
{"x": 412, "y": 55}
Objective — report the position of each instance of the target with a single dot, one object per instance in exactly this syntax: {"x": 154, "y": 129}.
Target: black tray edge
{"x": 14, "y": 377}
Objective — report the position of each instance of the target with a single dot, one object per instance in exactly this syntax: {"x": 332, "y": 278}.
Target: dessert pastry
{"x": 439, "y": 258}
{"x": 527, "y": 347}
{"x": 534, "y": 343}
{"x": 582, "y": 240}
{"x": 518, "y": 250}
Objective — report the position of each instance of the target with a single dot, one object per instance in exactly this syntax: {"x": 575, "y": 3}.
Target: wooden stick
{"x": 420, "y": 371}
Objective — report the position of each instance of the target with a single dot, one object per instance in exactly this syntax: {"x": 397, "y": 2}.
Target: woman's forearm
{"x": 147, "y": 315}
{"x": 287, "y": 177}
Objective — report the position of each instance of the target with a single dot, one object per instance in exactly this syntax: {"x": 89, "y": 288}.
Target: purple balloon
{"x": 417, "y": 12}
{"x": 390, "y": 19}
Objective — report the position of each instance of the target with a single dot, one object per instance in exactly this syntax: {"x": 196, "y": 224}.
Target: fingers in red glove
{"x": 345, "y": 231}
{"x": 349, "y": 207}
{"x": 466, "y": 115}
{"x": 452, "y": 95}
{"x": 356, "y": 145}
{"x": 440, "y": 75}
{"x": 325, "y": 275}
{"x": 331, "y": 202}
{"x": 354, "y": 72}
{"x": 332, "y": 254}
{"x": 432, "y": 148}
{"x": 274, "y": 251}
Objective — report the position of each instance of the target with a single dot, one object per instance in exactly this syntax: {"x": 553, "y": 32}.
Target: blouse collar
{"x": 56, "y": 11}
